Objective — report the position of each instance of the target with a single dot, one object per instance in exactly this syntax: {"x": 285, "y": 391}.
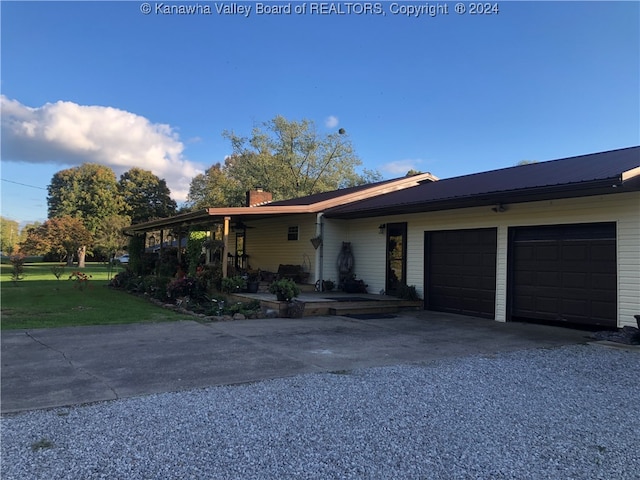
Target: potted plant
{"x": 353, "y": 285}
{"x": 253, "y": 281}
{"x": 284, "y": 289}
{"x": 328, "y": 285}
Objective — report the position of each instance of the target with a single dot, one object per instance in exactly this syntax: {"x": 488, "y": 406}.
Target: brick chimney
{"x": 258, "y": 197}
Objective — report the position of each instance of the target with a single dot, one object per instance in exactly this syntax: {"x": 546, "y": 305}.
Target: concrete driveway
{"x": 48, "y": 368}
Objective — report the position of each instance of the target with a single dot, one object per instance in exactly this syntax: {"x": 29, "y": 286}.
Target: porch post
{"x": 225, "y": 249}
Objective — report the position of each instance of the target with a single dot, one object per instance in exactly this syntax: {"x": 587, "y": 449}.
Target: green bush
{"x": 136, "y": 249}
{"x": 408, "y": 292}
{"x": 209, "y": 276}
{"x": 156, "y": 286}
{"x": 168, "y": 262}
{"x": 233, "y": 284}
{"x": 284, "y": 289}
{"x": 195, "y": 243}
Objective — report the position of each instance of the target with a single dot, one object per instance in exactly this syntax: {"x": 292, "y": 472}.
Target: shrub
{"x": 209, "y": 276}
{"x": 195, "y": 244}
{"x": 233, "y": 284}
{"x": 181, "y": 287}
{"x": 17, "y": 272}
{"x": 121, "y": 279}
{"x": 408, "y": 292}
{"x": 168, "y": 262}
{"x": 156, "y": 286}
{"x": 284, "y": 289}
{"x": 57, "y": 270}
{"x": 81, "y": 280}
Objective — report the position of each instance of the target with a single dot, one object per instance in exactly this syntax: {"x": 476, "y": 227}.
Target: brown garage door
{"x": 460, "y": 271}
{"x": 564, "y": 273}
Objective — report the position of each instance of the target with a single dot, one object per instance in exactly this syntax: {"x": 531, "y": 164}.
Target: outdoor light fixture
{"x": 499, "y": 208}
{"x": 381, "y": 228}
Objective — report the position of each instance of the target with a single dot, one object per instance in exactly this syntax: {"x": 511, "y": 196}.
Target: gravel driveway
{"x": 558, "y": 413}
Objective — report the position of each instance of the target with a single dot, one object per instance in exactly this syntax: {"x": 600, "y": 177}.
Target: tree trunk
{"x": 82, "y": 253}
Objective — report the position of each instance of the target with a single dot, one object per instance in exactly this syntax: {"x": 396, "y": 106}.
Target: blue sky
{"x": 452, "y": 94}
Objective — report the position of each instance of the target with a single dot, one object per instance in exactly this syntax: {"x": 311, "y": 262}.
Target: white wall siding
{"x": 369, "y": 251}
{"x": 268, "y": 247}
{"x": 501, "y": 273}
{"x": 629, "y": 267}
{"x": 334, "y": 233}
{"x": 624, "y": 209}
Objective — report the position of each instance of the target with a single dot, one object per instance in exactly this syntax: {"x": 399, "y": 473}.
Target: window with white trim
{"x": 292, "y": 233}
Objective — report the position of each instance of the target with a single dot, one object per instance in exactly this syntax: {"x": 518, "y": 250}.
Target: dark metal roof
{"x": 321, "y": 197}
{"x": 591, "y": 174}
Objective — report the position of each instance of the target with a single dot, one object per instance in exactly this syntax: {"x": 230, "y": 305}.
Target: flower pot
{"x": 252, "y": 287}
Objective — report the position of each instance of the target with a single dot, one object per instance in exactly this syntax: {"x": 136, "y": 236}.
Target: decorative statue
{"x": 345, "y": 263}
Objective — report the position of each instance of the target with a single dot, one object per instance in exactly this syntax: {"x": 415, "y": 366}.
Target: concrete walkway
{"x": 48, "y": 368}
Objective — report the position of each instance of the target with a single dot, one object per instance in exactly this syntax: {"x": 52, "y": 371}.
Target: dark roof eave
{"x": 599, "y": 187}
{"x": 186, "y": 218}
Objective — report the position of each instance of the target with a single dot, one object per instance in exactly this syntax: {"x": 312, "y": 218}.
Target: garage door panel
{"x": 565, "y": 272}
{"x": 577, "y": 307}
{"x": 574, "y": 280}
{"x": 572, "y": 251}
{"x": 489, "y": 260}
{"x": 602, "y": 252}
{"x": 525, "y": 278}
{"x": 602, "y": 282}
{"x": 546, "y": 252}
{"x": 602, "y": 310}
{"x": 548, "y": 279}
{"x": 488, "y": 284}
{"x": 460, "y": 272}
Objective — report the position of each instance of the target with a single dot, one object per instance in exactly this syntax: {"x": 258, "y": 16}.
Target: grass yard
{"x": 42, "y": 301}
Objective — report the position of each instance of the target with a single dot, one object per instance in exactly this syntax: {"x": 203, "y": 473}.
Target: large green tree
{"x": 109, "y": 238}
{"x": 214, "y": 189}
{"x": 26, "y": 228}
{"x": 291, "y": 159}
{"x": 147, "y": 196}
{"x": 90, "y": 193}
{"x": 9, "y": 235}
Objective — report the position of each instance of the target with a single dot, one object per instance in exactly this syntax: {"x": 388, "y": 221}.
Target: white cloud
{"x": 331, "y": 121}
{"x": 70, "y": 134}
{"x": 401, "y": 167}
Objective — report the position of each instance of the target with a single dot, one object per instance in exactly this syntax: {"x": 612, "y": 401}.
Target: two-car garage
{"x": 557, "y": 273}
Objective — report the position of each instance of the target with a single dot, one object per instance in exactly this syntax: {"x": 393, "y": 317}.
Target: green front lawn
{"x": 41, "y": 301}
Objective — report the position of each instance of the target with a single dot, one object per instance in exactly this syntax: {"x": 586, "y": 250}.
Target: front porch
{"x": 333, "y": 303}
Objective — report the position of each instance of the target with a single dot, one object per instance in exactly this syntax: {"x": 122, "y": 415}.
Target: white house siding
{"x": 624, "y": 209}
{"x": 334, "y": 233}
{"x": 367, "y": 245}
{"x": 268, "y": 247}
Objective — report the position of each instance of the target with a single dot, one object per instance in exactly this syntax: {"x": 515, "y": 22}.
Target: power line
{"x": 23, "y": 184}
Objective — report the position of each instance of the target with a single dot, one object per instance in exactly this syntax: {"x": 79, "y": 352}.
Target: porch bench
{"x": 293, "y": 272}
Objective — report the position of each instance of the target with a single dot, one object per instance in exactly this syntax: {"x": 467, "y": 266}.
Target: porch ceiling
{"x": 210, "y": 216}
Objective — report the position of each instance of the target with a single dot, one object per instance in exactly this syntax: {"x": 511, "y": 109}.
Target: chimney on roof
{"x": 258, "y": 197}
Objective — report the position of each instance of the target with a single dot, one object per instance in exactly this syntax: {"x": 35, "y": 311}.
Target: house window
{"x": 292, "y": 233}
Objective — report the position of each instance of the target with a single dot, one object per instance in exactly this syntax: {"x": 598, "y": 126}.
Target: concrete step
{"x": 353, "y": 308}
